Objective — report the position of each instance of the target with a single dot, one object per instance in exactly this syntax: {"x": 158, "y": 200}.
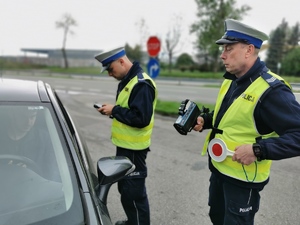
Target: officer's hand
{"x": 244, "y": 154}
{"x": 199, "y": 125}
{"x": 106, "y": 109}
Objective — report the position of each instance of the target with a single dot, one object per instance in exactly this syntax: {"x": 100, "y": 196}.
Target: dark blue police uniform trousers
{"x": 133, "y": 192}
{"x": 231, "y": 204}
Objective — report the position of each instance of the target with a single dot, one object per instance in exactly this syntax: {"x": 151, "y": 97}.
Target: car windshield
{"x": 37, "y": 182}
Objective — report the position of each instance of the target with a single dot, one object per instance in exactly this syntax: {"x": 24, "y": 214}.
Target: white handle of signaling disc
{"x": 218, "y": 150}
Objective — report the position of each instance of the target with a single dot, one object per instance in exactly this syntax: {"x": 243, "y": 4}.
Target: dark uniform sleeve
{"x": 208, "y": 117}
{"x": 280, "y": 112}
{"x": 140, "y": 106}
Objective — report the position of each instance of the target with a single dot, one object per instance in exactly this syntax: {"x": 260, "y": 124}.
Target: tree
{"x": 277, "y": 46}
{"x": 291, "y": 60}
{"x": 294, "y": 38}
{"x": 291, "y": 63}
{"x": 184, "y": 60}
{"x": 210, "y": 26}
{"x": 66, "y": 23}
{"x": 134, "y": 54}
{"x": 143, "y": 29}
{"x": 172, "y": 40}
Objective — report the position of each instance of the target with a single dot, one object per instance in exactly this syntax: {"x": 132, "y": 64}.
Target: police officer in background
{"x": 132, "y": 124}
{"x": 257, "y": 116}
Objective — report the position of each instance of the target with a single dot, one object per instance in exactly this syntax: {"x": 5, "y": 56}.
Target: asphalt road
{"x": 178, "y": 174}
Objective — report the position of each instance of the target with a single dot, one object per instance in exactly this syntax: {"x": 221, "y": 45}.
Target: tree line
{"x": 283, "y": 52}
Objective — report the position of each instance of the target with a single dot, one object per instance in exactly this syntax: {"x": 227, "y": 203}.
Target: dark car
{"x": 46, "y": 174}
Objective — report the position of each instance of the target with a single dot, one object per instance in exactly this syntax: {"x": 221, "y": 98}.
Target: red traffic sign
{"x": 153, "y": 46}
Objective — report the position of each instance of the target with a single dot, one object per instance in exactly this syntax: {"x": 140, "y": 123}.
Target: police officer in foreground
{"x": 257, "y": 116}
{"x": 132, "y": 124}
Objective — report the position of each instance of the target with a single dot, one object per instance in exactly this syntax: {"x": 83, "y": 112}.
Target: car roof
{"x": 19, "y": 90}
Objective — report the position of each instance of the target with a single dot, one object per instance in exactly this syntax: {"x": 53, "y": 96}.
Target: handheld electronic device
{"x": 97, "y": 106}
{"x": 187, "y": 119}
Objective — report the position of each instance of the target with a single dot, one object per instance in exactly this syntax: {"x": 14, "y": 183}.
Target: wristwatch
{"x": 257, "y": 151}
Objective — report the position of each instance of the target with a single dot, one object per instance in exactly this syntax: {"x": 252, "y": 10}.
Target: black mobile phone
{"x": 97, "y": 106}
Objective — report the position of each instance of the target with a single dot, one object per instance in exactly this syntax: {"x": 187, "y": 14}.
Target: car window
{"x": 37, "y": 181}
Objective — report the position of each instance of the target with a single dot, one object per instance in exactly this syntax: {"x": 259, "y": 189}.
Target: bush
{"x": 291, "y": 63}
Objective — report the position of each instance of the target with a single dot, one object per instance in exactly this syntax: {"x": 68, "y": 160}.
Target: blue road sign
{"x": 153, "y": 68}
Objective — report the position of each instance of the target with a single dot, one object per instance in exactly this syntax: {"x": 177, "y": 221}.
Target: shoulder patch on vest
{"x": 140, "y": 77}
{"x": 271, "y": 80}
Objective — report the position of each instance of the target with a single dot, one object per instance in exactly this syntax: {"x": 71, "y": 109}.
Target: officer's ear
{"x": 121, "y": 61}
{"x": 250, "y": 49}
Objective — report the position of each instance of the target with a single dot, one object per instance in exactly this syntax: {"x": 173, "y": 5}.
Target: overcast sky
{"x": 105, "y": 24}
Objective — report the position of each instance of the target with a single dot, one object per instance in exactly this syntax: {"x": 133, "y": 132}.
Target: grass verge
{"x": 170, "y": 108}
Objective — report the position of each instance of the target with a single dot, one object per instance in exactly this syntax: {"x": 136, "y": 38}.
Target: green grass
{"x": 170, "y": 108}
{"x": 163, "y": 73}
{"x": 175, "y": 73}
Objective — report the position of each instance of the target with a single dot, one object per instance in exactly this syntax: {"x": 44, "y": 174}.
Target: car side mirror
{"x": 114, "y": 168}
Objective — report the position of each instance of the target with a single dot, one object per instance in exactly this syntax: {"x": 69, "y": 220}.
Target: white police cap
{"x": 236, "y": 31}
{"x": 106, "y": 58}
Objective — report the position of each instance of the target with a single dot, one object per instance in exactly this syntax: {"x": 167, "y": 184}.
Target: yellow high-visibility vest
{"x": 238, "y": 128}
{"x": 126, "y": 136}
